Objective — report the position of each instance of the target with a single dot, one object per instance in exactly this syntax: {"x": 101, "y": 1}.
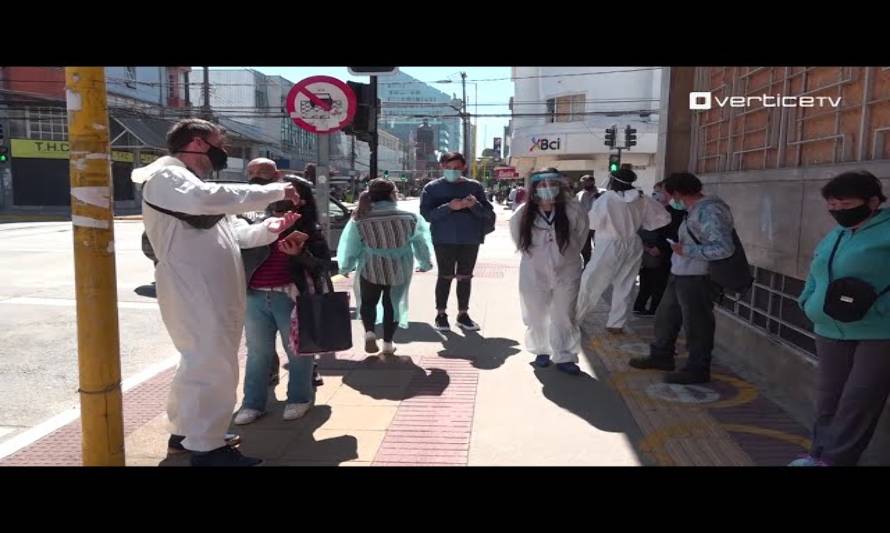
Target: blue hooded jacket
{"x": 465, "y": 226}
{"x": 864, "y": 254}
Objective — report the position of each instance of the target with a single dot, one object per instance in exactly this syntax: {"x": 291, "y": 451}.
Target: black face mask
{"x": 851, "y": 217}
{"x": 590, "y": 186}
{"x": 218, "y": 157}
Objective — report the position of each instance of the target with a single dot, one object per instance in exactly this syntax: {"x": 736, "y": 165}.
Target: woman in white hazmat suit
{"x": 201, "y": 285}
{"x": 550, "y": 229}
{"x": 616, "y": 217}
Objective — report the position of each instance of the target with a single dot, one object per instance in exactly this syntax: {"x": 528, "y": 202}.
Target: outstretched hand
{"x": 279, "y": 224}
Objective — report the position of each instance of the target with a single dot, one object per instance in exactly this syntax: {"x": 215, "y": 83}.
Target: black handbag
{"x": 733, "y": 273}
{"x": 325, "y": 323}
{"x": 848, "y": 299}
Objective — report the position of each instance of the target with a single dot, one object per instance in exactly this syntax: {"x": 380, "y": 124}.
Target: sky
{"x": 493, "y": 97}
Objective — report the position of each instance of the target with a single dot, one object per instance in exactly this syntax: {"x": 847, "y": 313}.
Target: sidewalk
{"x": 473, "y": 399}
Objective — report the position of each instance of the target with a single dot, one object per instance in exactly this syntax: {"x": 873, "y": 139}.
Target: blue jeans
{"x": 268, "y": 313}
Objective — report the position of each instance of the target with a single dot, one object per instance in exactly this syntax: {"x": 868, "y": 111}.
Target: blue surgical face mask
{"x": 678, "y": 205}
{"x": 451, "y": 174}
{"x": 547, "y": 193}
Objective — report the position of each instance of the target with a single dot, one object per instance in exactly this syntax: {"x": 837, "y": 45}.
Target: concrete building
{"x": 244, "y": 99}
{"x": 561, "y": 113}
{"x": 407, "y": 101}
{"x": 769, "y": 164}
{"x": 32, "y": 100}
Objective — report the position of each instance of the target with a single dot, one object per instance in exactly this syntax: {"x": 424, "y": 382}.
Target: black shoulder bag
{"x": 734, "y": 272}
{"x": 848, "y": 299}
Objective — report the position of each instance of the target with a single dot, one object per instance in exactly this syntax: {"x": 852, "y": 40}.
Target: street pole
{"x": 352, "y": 175}
{"x": 463, "y": 76}
{"x": 206, "y": 107}
{"x": 322, "y": 183}
{"x": 374, "y": 136}
{"x": 98, "y": 339}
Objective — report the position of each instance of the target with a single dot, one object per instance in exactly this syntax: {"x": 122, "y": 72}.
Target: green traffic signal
{"x": 3, "y": 158}
{"x": 613, "y": 167}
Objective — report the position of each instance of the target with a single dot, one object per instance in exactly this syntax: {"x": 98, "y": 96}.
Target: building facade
{"x": 560, "y": 115}
{"x": 769, "y": 163}
{"x": 407, "y": 102}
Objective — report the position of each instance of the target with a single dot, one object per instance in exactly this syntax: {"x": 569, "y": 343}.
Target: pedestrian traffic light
{"x": 385, "y": 174}
{"x": 614, "y": 162}
{"x": 4, "y": 154}
{"x": 610, "y": 136}
{"x": 630, "y": 137}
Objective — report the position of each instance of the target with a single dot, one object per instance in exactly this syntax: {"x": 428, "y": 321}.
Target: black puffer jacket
{"x": 315, "y": 258}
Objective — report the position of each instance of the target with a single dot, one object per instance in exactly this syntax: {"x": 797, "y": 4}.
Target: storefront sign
{"x": 30, "y": 149}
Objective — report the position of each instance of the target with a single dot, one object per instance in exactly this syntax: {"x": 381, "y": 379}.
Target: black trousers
{"x": 455, "y": 261}
{"x": 853, "y": 386}
{"x": 653, "y": 282}
{"x": 688, "y": 301}
{"x": 371, "y": 293}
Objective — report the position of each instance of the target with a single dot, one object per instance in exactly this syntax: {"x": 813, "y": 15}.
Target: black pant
{"x": 371, "y": 293}
{"x": 653, "y": 281}
{"x": 455, "y": 260}
{"x": 688, "y": 301}
{"x": 588, "y": 248}
{"x": 853, "y": 386}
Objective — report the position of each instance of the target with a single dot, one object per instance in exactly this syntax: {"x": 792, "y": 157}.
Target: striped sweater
{"x": 387, "y": 229}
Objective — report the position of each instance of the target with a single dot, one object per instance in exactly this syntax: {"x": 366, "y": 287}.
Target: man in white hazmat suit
{"x": 200, "y": 278}
{"x": 550, "y": 230}
{"x": 618, "y": 252}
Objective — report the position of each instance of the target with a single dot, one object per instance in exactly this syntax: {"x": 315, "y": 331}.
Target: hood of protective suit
{"x": 141, "y": 175}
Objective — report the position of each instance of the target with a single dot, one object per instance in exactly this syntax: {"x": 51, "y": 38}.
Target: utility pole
{"x": 463, "y": 77}
{"x": 206, "y": 108}
{"x": 98, "y": 338}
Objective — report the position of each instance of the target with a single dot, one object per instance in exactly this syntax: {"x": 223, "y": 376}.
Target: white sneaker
{"x": 246, "y": 416}
{"x": 371, "y": 342}
{"x": 388, "y": 348}
{"x": 293, "y": 411}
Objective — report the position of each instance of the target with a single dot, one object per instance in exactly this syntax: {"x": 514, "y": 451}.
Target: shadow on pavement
{"x": 394, "y": 378}
{"x": 484, "y": 353}
{"x": 589, "y": 399}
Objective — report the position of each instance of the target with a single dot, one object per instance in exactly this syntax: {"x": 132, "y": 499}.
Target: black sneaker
{"x": 174, "y": 444}
{"x": 649, "y": 363}
{"x": 465, "y": 322}
{"x": 688, "y": 377}
{"x": 225, "y": 456}
{"x": 442, "y": 322}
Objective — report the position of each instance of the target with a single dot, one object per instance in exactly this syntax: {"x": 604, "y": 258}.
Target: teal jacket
{"x": 864, "y": 254}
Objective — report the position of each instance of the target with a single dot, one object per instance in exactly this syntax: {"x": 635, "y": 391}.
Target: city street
{"x": 446, "y": 399}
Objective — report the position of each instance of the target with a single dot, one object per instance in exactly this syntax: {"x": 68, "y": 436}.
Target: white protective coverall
{"x": 548, "y": 283}
{"x": 201, "y": 290}
{"x": 618, "y": 251}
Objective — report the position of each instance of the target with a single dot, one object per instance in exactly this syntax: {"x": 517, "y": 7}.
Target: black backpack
{"x": 732, "y": 274}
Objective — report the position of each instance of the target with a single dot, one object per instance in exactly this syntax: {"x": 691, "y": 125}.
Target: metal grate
{"x": 771, "y": 307}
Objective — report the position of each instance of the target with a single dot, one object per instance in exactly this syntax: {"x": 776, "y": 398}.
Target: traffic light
{"x": 614, "y": 162}
{"x": 630, "y": 137}
{"x": 364, "y": 124}
{"x": 610, "y": 136}
{"x": 4, "y": 154}
{"x": 385, "y": 174}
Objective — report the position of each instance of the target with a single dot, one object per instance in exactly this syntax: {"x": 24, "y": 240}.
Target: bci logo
{"x": 543, "y": 143}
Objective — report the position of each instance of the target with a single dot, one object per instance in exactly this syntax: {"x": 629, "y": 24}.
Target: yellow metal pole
{"x": 98, "y": 341}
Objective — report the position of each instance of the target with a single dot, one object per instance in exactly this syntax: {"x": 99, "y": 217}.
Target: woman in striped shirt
{"x": 381, "y": 243}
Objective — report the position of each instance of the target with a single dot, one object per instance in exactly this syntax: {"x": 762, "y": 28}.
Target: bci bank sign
{"x": 547, "y": 144}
